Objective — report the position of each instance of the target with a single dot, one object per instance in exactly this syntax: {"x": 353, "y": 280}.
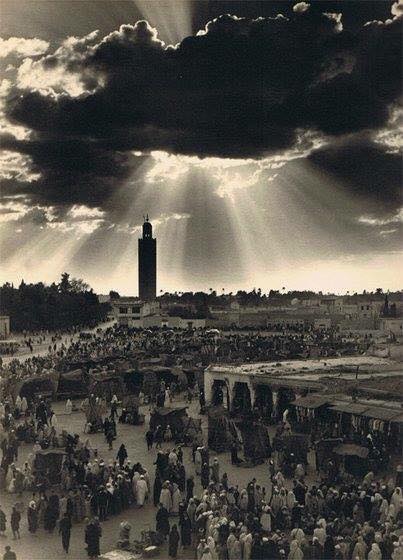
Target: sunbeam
{"x": 172, "y": 18}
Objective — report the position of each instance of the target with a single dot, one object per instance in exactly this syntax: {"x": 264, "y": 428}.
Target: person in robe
{"x": 15, "y": 523}
{"x": 186, "y": 529}
{"x": 32, "y": 517}
{"x": 121, "y": 455}
{"x": 69, "y": 406}
{"x": 198, "y": 460}
{"x": 173, "y": 542}
{"x": 162, "y": 521}
{"x": 295, "y": 551}
{"x": 176, "y": 498}
{"x": 65, "y": 532}
{"x": 93, "y": 533}
{"x": 3, "y": 522}
{"x": 165, "y": 497}
{"x": 215, "y": 471}
{"x": 205, "y": 475}
{"x": 141, "y": 490}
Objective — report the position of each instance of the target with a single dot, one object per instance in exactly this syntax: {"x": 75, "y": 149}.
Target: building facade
{"x": 147, "y": 263}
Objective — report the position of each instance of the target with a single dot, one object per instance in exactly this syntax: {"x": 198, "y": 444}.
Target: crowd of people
{"x": 201, "y": 510}
{"x": 197, "y": 346}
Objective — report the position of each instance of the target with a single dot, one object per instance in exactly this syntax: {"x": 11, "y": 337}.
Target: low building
{"x": 277, "y": 384}
{"x": 392, "y": 325}
{"x": 131, "y": 310}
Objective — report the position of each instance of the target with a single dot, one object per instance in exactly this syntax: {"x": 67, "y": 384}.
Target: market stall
{"x": 310, "y": 411}
{"x": 221, "y": 429}
{"x": 167, "y": 416}
{"x": 354, "y": 458}
{"x": 48, "y": 466}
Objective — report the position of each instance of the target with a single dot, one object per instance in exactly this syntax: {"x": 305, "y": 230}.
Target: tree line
{"x": 70, "y": 303}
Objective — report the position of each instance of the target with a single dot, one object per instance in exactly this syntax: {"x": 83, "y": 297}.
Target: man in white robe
{"x": 142, "y": 490}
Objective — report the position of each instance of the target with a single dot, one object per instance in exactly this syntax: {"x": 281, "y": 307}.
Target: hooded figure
{"x": 198, "y": 460}
{"x": 93, "y": 533}
{"x": 32, "y": 517}
{"x": 295, "y": 551}
{"x": 173, "y": 542}
{"x": 176, "y": 498}
{"x": 141, "y": 490}
{"x": 375, "y": 552}
{"x": 215, "y": 471}
{"x": 265, "y": 519}
{"x": 233, "y": 547}
{"x": 186, "y": 529}
{"x": 162, "y": 520}
{"x": 165, "y": 497}
{"x": 360, "y": 549}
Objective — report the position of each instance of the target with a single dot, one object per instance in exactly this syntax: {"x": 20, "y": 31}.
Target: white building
{"x": 132, "y": 312}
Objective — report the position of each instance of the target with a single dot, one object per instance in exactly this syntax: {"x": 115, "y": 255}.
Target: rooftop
{"x": 311, "y": 367}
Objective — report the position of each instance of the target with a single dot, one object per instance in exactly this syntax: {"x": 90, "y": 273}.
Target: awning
{"x": 166, "y": 411}
{"x": 398, "y": 419}
{"x": 51, "y": 452}
{"x": 351, "y": 408}
{"x": 351, "y": 449}
{"x": 381, "y": 413}
{"x": 312, "y": 401}
{"x": 377, "y": 412}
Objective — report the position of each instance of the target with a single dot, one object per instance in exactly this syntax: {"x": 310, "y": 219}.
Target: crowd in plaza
{"x": 198, "y": 346}
{"x": 200, "y": 511}
{"x": 337, "y": 518}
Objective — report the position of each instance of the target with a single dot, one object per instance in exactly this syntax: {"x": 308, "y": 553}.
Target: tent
{"x": 73, "y": 384}
{"x": 351, "y": 449}
{"x": 354, "y": 458}
{"x": 108, "y": 385}
{"x": 256, "y": 441}
{"x": 168, "y": 416}
{"x": 312, "y": 401}
{"x": 45, "y": 385}
{"x": 221, "y": 430}
{"x": 325, "y": 449}
{"x": 48, "y": 465}
{"x": 298, "y": 445}
{"x": 192, "y": 430}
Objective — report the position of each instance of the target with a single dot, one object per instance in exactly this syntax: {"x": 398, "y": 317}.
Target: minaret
{"x": 147, "y": 260}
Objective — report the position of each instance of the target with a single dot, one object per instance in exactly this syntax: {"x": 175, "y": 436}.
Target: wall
{"x": 394, "y": 326}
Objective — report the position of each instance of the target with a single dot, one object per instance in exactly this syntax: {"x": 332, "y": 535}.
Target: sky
{"x": 263, "y": 139}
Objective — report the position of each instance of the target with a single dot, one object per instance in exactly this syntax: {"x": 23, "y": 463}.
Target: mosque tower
{"x": 147, "y": 261}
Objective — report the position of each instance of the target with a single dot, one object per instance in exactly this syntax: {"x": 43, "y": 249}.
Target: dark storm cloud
{"x": 242, "y": 88}
{"x": 72, "y": 170}
{"x": 366, "y": 169}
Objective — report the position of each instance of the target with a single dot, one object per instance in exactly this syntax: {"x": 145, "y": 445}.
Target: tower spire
{"x": 147, "y": 259}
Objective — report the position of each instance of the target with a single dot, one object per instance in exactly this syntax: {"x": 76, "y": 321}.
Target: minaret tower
{"x": 147, "y": 260}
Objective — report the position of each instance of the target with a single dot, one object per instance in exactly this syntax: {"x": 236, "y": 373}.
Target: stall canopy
{"x": 398, "y": 419}
{"x": 168, "y": 416}
{"x": 351, "y": 408}
{"x": 381, "y": 413}
{"x": 312, "y": 401}
{"x": 377, "y": 412}
{"x": 351, "y": 449}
